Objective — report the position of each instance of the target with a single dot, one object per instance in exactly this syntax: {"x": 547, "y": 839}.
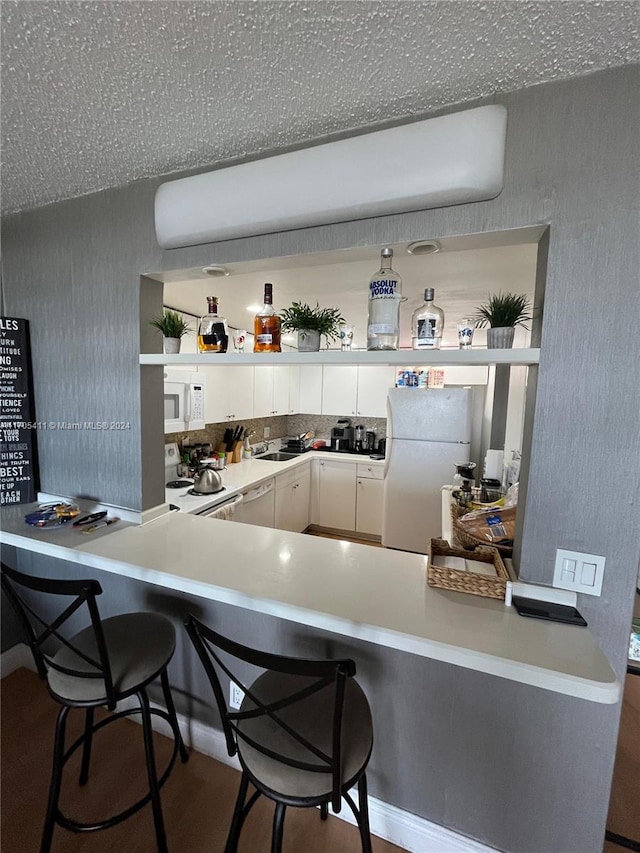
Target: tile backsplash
{"x": 280, "y": 427}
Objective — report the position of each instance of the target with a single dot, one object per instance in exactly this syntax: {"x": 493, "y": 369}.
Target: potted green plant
{"x": 310, "y": 323}
{"x": 502, "y": 313}
{"x": 173, "y": 327}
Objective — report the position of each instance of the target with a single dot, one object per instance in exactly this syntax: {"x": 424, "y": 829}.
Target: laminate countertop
{"x": 373, "y": 594}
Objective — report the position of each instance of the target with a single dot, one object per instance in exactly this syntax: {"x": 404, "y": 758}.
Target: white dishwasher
{"x": 258, "y": 505}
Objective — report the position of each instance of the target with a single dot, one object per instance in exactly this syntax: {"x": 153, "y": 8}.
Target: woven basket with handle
{"x": 444, "y": 577}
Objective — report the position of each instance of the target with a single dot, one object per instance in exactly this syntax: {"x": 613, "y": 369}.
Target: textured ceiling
{"x": 96, "y": 95}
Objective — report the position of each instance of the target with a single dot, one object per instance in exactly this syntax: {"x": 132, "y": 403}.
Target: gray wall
{"x": 73, "y": 269}
{"x": 516, "y": 767}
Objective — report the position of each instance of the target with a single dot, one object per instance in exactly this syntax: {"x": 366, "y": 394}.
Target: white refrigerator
{"x": 428, "y": 433}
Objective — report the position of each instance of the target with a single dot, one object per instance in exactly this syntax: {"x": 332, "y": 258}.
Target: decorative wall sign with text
{"x": 18, "y": 460}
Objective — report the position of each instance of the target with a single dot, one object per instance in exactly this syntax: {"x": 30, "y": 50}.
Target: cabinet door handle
{"x": 359, "y": 482}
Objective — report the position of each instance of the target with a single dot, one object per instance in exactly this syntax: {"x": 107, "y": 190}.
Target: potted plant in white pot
{"x": 311, "y": 323}
{"x": 502, "y": 313}
{"x": 173, "y": 327}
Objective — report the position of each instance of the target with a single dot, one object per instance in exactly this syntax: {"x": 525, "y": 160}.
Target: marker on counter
{"x": 95, "y": 516}
{"x": 99, "y": 524}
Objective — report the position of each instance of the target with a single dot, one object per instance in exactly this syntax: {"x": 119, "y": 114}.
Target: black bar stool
{"x": 99, "y": 666}
{"x": 303, "y": 733}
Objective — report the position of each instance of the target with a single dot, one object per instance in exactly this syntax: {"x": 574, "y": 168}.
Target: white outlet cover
{"x": 236, "y": 695}
{"x": 579, "y": 572}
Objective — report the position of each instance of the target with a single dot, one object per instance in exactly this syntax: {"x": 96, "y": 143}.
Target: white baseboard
{"x": 16, "y": 657}
{"x": 406, "y": 830}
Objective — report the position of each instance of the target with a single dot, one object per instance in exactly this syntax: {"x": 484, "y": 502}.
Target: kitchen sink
{"x": 279, "y": 456}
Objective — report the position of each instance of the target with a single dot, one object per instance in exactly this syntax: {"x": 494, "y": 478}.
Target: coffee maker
{"x": 342, "y": 435}
{"x": 370, "y": 440}
{"x": 359, "y": 439}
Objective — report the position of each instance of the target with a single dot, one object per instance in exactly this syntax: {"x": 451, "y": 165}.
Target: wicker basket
{"x": 463, "y": 539}
{"x": 444, "y": 577}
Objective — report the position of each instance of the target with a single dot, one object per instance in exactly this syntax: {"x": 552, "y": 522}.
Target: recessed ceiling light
{"x": 215, "y": 271}
{"x": 424, "y": 247}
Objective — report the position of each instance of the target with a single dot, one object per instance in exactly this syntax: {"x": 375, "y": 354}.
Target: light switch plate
{"x": 579, "y": 572}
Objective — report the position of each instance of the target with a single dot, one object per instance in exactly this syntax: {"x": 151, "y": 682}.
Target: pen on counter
{"x": 87, "y": 519}
{"x": 105, "y": 523}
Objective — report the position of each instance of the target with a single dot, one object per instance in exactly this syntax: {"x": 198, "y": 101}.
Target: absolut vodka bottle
{"x": 385, "y": 295}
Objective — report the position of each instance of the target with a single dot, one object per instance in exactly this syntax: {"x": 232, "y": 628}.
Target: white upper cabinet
{"x": 373, "y": 387}
{"x": 310, "y": 389}
{"x": 356, "y": 390}
{"x": 228, "y": 393}
{"x": 271, "y": 390}
{"x": 294, "y": 389}
{"x": 339, "y": 389}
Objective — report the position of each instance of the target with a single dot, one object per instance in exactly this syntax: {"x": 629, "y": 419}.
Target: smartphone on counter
{"x": 548, "y": 610}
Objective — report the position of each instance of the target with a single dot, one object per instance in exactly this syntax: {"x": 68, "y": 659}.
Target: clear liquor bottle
{"x": 385, "y": 295}
{"x": 427, "y": 323}
{"x": 213, "y": 335}
{"x": 266, "y": 325}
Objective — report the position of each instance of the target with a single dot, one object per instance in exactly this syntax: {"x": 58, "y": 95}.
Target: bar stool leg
{"x": 171, "y": 710}
{"x": 324, "y": 811}
{"x": 363, "y": 808}
{"x": 278, "y": 828}
{"x": 151, "y": 772}
{"x": 86, "y": 748}
{"x": 56, "y": 780}
{"x": 236, "y": 823}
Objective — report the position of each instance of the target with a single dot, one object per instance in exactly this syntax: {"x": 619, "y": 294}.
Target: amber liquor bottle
{"x": 213, "y": 335}
{"x": 266, "y": 325}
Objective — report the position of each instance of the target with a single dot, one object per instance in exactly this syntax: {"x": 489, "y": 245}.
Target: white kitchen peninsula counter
{"x": 373, "y": 594}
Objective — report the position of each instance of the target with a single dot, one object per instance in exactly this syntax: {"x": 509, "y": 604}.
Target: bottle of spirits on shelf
{"x": 427, "y": 323}
{"x": 266, "y": 325}
{"x": 213, "y": 335}
{"x": 385, "y": 295}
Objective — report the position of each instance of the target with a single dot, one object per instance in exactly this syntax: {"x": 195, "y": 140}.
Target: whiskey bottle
{"x": 427, "y": 323}
{"x": 213, "y": 335}
{"x": 266, "y": 325}
{"x": 385, "y": 295}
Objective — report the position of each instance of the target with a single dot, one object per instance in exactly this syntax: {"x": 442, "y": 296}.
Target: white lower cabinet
{"x": 293, "y": 492}
{"x": 369, "y": 487}
{"x": 347, "y": 496}
{"x": 334, "y": 494}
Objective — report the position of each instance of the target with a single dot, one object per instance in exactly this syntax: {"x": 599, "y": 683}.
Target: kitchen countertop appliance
{"x": 359, "y": 438}
{"x": 342, "y": 435}
{"x": 370, "y": 440}
{"x": 428, "y": 433}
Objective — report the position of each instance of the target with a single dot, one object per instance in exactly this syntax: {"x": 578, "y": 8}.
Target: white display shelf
{"x": 400, "y": 358}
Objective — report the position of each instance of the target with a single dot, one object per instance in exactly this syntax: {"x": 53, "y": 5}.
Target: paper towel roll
{"x": 493, "y": 463}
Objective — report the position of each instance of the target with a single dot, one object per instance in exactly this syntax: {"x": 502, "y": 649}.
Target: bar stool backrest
{"x": 209, "y": 645}
{"x": 39, "y": 630}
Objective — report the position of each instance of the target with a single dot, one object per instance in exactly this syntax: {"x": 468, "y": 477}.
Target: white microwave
{"x": 183, "y": 401}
